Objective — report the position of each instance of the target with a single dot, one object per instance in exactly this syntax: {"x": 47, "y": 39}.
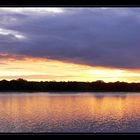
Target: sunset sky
{"x": 70, "y": 44}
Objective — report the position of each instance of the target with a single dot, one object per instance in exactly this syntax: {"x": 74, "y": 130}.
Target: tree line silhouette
{"x": 24, "y": 85}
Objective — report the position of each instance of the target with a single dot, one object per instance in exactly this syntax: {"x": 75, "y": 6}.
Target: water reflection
{"x": 68, "y": 113}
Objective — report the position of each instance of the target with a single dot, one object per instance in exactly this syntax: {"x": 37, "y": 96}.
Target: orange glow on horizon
{"x": 42, "y": 69}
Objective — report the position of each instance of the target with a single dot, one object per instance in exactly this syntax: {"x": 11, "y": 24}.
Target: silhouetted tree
{"x": 24, "y": 85}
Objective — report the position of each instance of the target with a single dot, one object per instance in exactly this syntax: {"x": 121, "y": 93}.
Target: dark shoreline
{"x": 21, "y": 85}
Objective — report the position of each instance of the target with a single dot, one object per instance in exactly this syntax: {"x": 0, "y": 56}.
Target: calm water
{"x": 82, "y": 112}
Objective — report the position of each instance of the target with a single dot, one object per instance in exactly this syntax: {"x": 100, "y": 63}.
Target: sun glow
{"x": 38, "y": 69}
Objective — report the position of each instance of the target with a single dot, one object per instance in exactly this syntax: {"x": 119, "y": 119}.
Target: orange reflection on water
{"x": 55, "y": 110}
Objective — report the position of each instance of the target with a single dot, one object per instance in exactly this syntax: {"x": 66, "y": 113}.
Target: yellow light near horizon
{"x": 37, "y": 69}
{"x": 107, "y": 72}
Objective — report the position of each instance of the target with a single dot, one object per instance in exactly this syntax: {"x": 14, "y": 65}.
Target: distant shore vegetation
{"x": 44, "y": 86}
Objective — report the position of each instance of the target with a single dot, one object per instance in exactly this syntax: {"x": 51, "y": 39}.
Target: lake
{"x": 70, "y": 112}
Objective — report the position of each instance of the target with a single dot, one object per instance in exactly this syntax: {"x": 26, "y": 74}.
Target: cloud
{"x": 31, "y": 10}
{"x": 107, "y": 37}
{"x": 15, "y": 34}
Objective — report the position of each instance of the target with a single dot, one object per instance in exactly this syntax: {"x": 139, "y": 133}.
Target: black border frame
{"x": 69, "y": 3}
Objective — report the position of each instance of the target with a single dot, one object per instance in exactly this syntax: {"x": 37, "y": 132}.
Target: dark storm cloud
{"x": 92, "y": 36}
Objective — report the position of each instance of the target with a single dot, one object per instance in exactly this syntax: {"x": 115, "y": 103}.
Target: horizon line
{"x": 18, "y": 79}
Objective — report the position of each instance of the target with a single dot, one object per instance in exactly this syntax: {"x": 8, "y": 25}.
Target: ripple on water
{"x": 68, "y": 113}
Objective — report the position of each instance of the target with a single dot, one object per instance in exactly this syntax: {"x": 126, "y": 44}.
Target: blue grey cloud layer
{"x": 92, "y": 36}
